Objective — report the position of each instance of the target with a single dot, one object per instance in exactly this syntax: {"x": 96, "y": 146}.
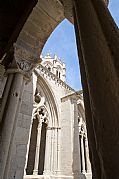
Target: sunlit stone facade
{"x": 25, "y": 28}
{"x": 58, "y": 145}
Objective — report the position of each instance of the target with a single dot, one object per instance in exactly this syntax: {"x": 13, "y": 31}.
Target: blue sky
{"x": 62, "y": 43}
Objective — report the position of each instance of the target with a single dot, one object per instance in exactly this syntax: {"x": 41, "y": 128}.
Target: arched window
{"x": 57, "y": 73}
{"x": 49, "y": 68}
{"x": 32, "y": 149}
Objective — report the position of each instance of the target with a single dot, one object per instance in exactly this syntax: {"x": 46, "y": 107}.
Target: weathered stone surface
{"x": 2, "y": 85}
{"x": 98, "y": 45}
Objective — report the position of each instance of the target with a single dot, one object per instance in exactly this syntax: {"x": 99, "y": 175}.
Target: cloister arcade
{"x": 24, "y": 29}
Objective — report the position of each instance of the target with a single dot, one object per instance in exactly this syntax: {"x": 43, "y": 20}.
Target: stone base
{"x": 88, "y": 175}
{"x": 82, "y": 176}
{"x": 48, "y": 177}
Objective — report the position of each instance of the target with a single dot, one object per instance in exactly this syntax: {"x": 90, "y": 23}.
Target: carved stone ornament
{"x": 21, "y": 53}
{"x": 40, "y": 108}
{"x": 24, "y": 65}
{"x": 24, "y": 60}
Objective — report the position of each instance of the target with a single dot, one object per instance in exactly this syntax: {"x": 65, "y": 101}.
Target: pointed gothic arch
{"x": 45, "y": 110}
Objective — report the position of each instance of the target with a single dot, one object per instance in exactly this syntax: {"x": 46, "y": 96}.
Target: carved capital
{"x": 25, "y": 67}
{"x": 25, "y": 60}
{"x": 22, "y": 53}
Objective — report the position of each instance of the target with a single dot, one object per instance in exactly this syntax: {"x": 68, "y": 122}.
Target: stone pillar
{"x": 20, "y": 71}
{"x": 88, "y": 164}
{"x": 52, "y": 150}
{"x": 28, "y": 145}
{"x": 89, "y": 118}
{"x": 47, "y": 166}
{"x": 9, "y": 118}
{"x": 55, "y": 142}
{"x": 35, "y": 171}
{"x": 97, "y": 39}
{"x": 70, "y": 138}
{"x": 82, "y": 153}
{"x": 76, "y": 143}
{"x": 58, "y": 149}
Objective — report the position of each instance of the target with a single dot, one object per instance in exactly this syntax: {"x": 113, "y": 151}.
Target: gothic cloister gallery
{"x": 45, "y": 130}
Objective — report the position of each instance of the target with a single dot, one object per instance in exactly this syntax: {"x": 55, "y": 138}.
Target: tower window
{"x": 49, "y": 68}
{"x": 57, "y": 73}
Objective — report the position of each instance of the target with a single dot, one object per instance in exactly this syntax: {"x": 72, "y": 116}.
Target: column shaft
{"x": 47, "y": 166}
{"x": 55, "y": 167}
{"x": 83, "y": 157}
{"x": 10, "y": 117}
{"x": 87, "y": 157}
{"x": 76, "y": 144}
{"x": 58, "y": 150}
{"x": 97, "y": 34}
{"x": 28, "y": 146}
{"x": 89, "y": 118}
{"x": 35, "y": 171}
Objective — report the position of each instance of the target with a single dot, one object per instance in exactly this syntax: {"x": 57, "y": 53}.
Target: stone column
{"x": 52, "y": 150}
{"x": 69, "y": 138}
{"x": 76, "y": 144}
{"x": 55, "y": 162}
{"x": 35, "y": 171}
{"x": 99, "y": 40}
{"x": 82, "y": 153}
{"x": 20, "y": 70}
{"x": 89, "y": 118}
{"x": 58, "y": 149}
{"x": 87, "y": 157}
{"x": 9, "y": 118}
{"x": 28, "y": 145}
{"x": 47, "y": 166}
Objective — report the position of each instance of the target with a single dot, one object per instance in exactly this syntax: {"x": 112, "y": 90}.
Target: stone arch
{"x": 36, "y": 30}
{"x": 50, "y": 98}
{"x": 36, "y": 159}
{"x": 35, "y": 47}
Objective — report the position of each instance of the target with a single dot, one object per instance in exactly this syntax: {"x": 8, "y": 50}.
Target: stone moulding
{"x": 41, "y": 70}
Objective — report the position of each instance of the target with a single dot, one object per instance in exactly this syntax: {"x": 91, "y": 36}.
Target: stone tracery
{"x": 40, "y": 114}
{"x": 108, "y": 34}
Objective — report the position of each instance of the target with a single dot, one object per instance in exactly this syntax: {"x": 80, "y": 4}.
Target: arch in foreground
{"x": 99, "y": 70}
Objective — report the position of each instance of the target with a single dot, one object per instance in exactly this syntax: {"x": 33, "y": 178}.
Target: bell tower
{"x": 55, "y": 66}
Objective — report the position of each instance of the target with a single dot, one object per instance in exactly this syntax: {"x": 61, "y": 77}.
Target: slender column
{"x": 87, "y": 156}
{"x": 76, "y": 143}
{"x": 52, "y": 149}
{"x": 99, "y": 39}
{"x": 83, "y": 157}
{"x": 58, "y": 149}
{"x": 35, "y": 171}
{"x": 28, "y": 145}
{"x": 55, "y": 151}
{"x": 47, "y": 166}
